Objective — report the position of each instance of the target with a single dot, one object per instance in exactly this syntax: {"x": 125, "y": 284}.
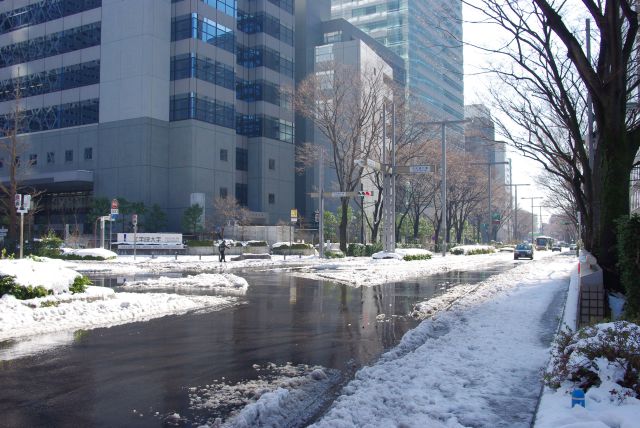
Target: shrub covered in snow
{"x": 604, "y": 355}
{"x": 410, "y": 257}
{"x": 471, "y": 250}
{"x": 361, "y": 250}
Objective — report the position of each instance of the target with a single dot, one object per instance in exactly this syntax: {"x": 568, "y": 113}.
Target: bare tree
{"x": 345, "y": 106}
{"x": 550, "y": 55}
{"x": 228, "y": 211}
{"x": 13, "y": 153}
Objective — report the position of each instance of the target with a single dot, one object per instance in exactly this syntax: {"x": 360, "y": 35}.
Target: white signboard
{"x": 420, "y": 169}
{"x": 151, "y": 238}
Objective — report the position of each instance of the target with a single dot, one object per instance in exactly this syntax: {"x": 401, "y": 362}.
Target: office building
{"x": 427, "y": 36}
{"x": 322, "y": 42}
{"x": 167, "y": 102}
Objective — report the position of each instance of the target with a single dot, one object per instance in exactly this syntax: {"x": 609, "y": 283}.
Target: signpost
{"x": 134, "y": 221}
{"x": 115, "y": 205}
{"x": 22, "y": 204}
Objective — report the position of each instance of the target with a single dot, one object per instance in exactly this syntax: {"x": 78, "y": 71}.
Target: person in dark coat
{"x": 221, "y": 247}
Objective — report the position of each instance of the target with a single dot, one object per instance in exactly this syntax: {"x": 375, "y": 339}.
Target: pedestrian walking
{"x": 221, "y": 247}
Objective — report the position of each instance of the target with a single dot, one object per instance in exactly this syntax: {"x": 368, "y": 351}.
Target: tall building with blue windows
{"x": 166, "y": 102}
{"x": 427, "y": 35}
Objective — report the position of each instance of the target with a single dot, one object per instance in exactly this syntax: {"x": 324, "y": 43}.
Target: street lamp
{"x": 532, "y": 199}
{"x": 515, "y": 213}
{"x": 489, "y": 164}
{"x": 443, "y": 178}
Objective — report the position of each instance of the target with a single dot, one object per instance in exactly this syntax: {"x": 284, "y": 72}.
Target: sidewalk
{"x": 477, "y": 364}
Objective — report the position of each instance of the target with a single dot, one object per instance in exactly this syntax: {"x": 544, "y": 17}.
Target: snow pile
{"x": 467, "y": 249}
{"x": 603, "y": 361}
{"x": 51, "y": 274}
{"x": 222, "y": 282}
{"x": 280, "y": 396}
{"x": 381, "y": 255}
{"x": 477, "y": 364}
{"x": 18, "y": 319}
{"x": 90, "y": 252}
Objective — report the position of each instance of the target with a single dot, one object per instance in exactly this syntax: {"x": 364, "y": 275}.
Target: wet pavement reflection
{"x": 140, "y": 374}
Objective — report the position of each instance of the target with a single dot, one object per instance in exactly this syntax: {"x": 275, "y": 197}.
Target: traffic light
{"x": 363, "y": 193}
{"x": 316, "y": 216}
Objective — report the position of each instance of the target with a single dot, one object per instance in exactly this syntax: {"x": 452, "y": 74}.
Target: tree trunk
{"x": 344, "y": 220}
{"x": 416, "y": 226}
{"x": 611, "y": 190}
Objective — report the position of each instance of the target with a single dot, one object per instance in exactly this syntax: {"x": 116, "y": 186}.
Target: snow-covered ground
{"x": 219, "y": 282}
{"x": 98, "y": 306}
{"x": 477, "y": 364}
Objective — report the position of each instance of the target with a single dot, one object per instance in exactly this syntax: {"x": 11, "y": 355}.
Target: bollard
{"x": 176, "y": 255}
{"x": 199, "y": 256}
{"x": 577, "y": 398}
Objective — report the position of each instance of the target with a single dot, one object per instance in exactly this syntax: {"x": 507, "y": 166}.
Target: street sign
{"x": 26, "y": 202}
{"x": 316, "y": 216}
{"x": 114, "y": 211}
{"x": 414, "y": 169}
{"x": 134, "y": 219}
{"x": 114, "y": 217}
{"x": 363, "y": 193}
{"x": 18, "y": 201}
{"x": 341, "y": 194}
{"x": 294, "y": 215}
{"x": 114, "y": 204}
{"x": 334, "y": 194}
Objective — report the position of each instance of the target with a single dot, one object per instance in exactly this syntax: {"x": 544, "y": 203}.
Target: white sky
{"x": 475, "y": 88}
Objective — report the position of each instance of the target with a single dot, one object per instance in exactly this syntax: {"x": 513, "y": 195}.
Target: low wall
{"x": 592, "y": 298}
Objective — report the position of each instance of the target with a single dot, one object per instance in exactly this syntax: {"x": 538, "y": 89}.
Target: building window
{"x": 51, "y": 157}
{"x": 272, "y": 164}
{"x": 88, "y": 153}
{"x": 242, "y": 159}
{"x": 242, "y": 194}
{"x": 223, "y": 193}
{"x": 68, "y": 155}
{"x": 33, "y": 159}
{"x": 272, "y": 198}
{"x": 224, "y": 155}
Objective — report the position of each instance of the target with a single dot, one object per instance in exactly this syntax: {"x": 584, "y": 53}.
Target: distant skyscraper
{"x": 479, "y": 139}
{"x": 427, "y": 35}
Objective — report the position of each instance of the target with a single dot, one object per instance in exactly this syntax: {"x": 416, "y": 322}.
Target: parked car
{"x": 523, "y": 250}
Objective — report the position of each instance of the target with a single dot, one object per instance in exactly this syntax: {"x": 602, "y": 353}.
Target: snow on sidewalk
{"x": 477, "y": 364}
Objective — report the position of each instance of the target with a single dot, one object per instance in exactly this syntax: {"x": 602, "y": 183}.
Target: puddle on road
{"x": 146, "y": 373}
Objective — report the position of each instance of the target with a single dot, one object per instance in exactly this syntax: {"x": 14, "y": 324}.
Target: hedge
{"x": 628, "y": 229}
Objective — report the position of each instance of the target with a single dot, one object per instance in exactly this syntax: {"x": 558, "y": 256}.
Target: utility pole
{"x": 490, "y": 218}
{"x": 541, "y": 222}
{"x": 532, "y": 225}
{"x": 515, "y": 212}
{"x": 321, "y": 203}
{"x": 443, "y": 179}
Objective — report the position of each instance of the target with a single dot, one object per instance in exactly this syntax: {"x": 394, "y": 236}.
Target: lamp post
{"x": 489, "y": 223}
{"x": 532, "y": 226}
{"x": 515, "y": 212}
{"x": 443, "y": 179}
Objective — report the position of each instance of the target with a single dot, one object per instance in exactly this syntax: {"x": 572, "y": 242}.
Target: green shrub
{"x": 410, "y": 257}
{"x": 21, "y": 292}
{"x": 457, "y": 251}
{"x": 480, "y": 251}
{"x": 49, "y": 245}
{"x": 257, "y": 244}
{"x": 49, "y": 304}
{"x": 295, "y": 246}
{"x": 78, "y": 257}
{"x": 80, "y": 284}
{"x": 356, "y": 250}
{"x": 582, "y": 357}
{"x": 334, "y": 254}
{"x": 628, "y": 229}
{"x": 371, "y": 249}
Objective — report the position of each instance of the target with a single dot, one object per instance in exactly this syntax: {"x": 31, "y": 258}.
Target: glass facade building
{"x": 427, "y": 35}
{"x": 156, "y": 101}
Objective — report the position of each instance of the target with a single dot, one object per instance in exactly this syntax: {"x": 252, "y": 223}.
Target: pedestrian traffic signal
{"x": 317, "y": 216}
{"x": 363, "y": 193}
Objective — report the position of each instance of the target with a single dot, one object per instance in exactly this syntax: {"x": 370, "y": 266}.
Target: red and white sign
{"x": 134, "y": 219}
{"x": 114, "y": 204}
